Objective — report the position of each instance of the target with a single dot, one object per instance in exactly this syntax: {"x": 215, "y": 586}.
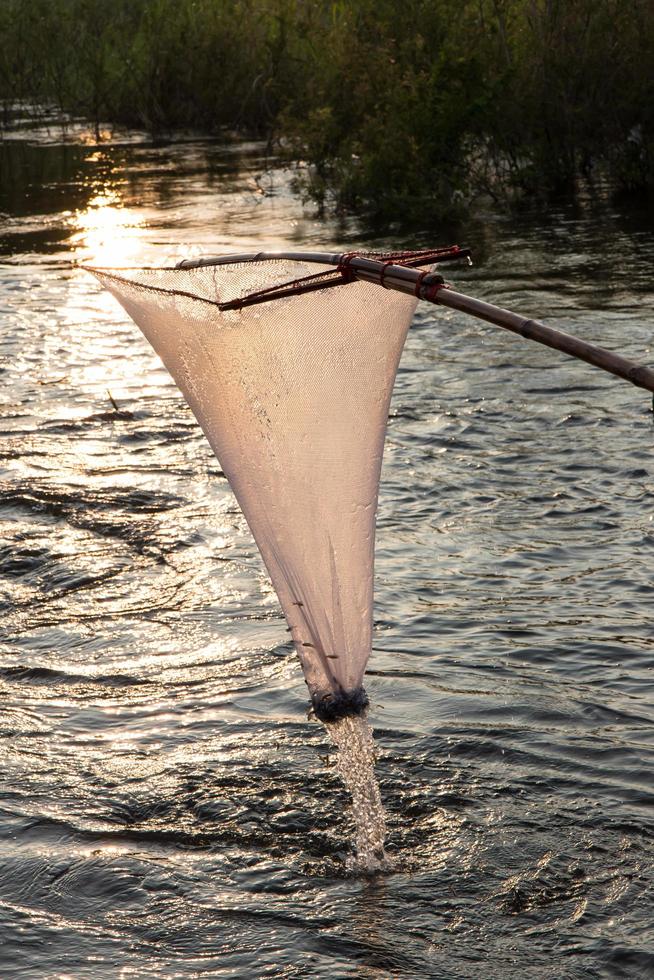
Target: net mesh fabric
{"x": 293, "y": 396}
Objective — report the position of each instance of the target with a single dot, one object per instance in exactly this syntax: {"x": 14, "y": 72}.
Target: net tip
{"x": 330, "y": 706}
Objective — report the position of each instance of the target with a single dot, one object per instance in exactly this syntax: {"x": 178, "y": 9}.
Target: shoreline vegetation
{"x": 403, "y": 111}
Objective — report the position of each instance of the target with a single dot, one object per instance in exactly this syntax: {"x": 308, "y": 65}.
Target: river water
{"x": 167, "y": 809}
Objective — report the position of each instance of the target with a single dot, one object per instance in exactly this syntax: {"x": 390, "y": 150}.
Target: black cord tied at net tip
{"x": 330, "y": 706}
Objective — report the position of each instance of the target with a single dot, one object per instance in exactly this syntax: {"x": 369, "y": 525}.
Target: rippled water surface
{"x": 167, "y": 809}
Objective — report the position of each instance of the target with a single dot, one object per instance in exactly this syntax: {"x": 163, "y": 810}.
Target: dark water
{"x": 166, "y": 808}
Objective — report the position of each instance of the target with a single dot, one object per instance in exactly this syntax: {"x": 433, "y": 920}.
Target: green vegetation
{"x": 401, "y": 109}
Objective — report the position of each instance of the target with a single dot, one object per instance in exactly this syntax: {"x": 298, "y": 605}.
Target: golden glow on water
{"x": 104, "y": 359}
{"x": 108, "y": 233}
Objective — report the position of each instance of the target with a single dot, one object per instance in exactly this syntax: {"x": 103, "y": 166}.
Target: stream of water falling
{"x": 355, "y": 764}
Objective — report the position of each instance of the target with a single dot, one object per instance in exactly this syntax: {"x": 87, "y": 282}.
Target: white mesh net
{"x": 293, "y": 396}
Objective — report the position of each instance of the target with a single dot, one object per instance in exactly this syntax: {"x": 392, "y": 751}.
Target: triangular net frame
{"x": 293, "y": 395}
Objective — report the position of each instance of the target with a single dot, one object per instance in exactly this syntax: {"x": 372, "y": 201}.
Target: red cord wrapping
{"x": 344, "y": 265}
{"x": 382, "y": 274}
{"x": 431, "y": 289}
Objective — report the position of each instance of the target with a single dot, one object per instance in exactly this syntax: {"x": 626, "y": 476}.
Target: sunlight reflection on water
{"x": 108, "y": 233}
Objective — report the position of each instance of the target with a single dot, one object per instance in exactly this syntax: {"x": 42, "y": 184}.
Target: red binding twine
{"x": 344, "y": 265}
{"x": 419, "y": 283}
{"x": 382, "y": 274}
{"x": 429, "y": 291}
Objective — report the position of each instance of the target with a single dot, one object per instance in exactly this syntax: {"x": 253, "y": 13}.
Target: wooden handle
{"x": 637, "y": 374}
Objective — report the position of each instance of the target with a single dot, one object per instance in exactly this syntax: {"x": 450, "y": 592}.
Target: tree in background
{"x": 402, "y": 110}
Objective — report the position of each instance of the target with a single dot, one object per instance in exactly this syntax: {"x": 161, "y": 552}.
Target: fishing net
{"x": 293, "y": 395}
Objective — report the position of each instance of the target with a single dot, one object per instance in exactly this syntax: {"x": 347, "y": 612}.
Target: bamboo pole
{"x": 621, "y": 367}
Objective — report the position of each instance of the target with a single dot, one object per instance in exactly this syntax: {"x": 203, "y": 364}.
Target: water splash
{"x": 355, "y": 764}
